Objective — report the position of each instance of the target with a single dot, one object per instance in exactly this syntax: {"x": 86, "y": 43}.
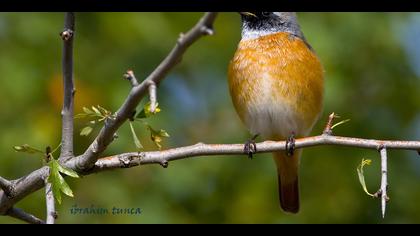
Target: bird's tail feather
{"x": 288, "y": 181}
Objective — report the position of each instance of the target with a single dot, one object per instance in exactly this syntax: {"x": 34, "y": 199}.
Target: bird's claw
{"x": 250, "y": 147}
{"x": 290, "y": 145}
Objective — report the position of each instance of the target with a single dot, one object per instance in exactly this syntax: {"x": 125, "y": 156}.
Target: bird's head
{"x": 255, "y": 24}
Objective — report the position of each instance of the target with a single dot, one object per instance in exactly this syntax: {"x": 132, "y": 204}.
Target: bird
{"x": 276, "y": 83}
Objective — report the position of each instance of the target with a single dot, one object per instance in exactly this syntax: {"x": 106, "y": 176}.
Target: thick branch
{"x": 68, "y": 103}
{"x": 21, "y": 215}
{"x": 23, "y": 187}
{"x": 6, "y": 186}
{"x": 106, "y": 135}
{"x": 49, "y": 198}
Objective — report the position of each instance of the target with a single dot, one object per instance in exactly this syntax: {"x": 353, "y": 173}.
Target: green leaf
{"x": 28, "y": 149}
{"x": 55, "y": 149}
{"x": 145, "y": 112}
{"x": 104, "y": 111}
{"x": 96, "y": 111}
{"x": 340, "y": 123}
{"x": 157, "y": 135}
{"x": 361, "y": 175}
{"x": 135, "y": 138}
{"x": 87, "y": 110}
{"x": 81, "y": 115}
{"x": 67, "y": 171}
{"x": 141, "y": 115}
{"x": 57, "y": 181}
{"x": 56, "y": 191}
{"x": 64, "y": 187}
{"x": 86, "y": 131}
{"x": 54, "y": 180}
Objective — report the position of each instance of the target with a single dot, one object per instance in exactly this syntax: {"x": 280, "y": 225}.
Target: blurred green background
{"x": 372, "y": 63}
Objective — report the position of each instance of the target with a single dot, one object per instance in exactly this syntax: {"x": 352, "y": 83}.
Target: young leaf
{"x": 340, "y": 123}
{"x": 53, "y": 179}
{"x": 81, "y": 115}
{"x": 104, "y": 111}
{"x": 56, "y": 191}
{"x": 64, "y": 187}
{"x": 67, "y": 171}
{"x": 141, "y": 114}
{"x": 87, "y": 110}
{"x": 157, "y": 135}
{"x": 135, "y": 138}
{"x": 361, "y": 175}
{"x": 57, "y": 181}
{"x": 86, "y": 131}
{"x": 55, "y": 149}
{"x": 145, "y": 112}
{"x": 26, "y": 148}
{"x": 96, "y": 111}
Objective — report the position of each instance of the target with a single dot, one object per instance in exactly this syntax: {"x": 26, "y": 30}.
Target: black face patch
{"x": 262, "y": 20}
{"x": 263, "y": 23}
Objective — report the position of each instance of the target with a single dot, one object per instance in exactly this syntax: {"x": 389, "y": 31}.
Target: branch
{"x": 106, "y": 135}
{"x": 34, "y": 181}
{"x": 49, "y": 198}
{"x": 152, "y": 96}
{"x": 384, "y": 182}
{"x": 131, "y": 159}
{"x": 130, "y": 77}
{"x": 89, "y": 161}
{"x": 23, "y": 187}
{"x": 21, "y": 215}
{"x": 68, "y": 103}
{"x": 7, "y": 187}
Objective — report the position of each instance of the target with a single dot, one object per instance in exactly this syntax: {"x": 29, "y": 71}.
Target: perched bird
{"x": 276, "y": 82}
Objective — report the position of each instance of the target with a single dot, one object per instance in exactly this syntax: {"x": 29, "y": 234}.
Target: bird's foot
{"x": 290, "y": 145}
{"x": 250, "y": 147}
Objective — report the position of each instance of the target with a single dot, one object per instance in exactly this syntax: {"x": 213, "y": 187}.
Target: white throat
{"x": 254, "y": 34}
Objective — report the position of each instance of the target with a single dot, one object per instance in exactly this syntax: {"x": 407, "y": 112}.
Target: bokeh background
{"x": 372, "y": 63}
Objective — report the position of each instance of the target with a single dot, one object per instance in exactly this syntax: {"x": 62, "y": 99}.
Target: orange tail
{"x": 287, "y": 171}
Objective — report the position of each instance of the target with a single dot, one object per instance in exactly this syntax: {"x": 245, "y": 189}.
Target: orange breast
{"x": 279, "y": 77}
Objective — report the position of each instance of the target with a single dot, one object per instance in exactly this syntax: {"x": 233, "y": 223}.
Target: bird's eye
{"x": 265, "y": 14}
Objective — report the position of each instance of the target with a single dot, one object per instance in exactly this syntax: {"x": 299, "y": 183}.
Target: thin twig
{"x": 68, "y": 103}
{"x": 7, "y": 187}
{"x": 26, "y": 217}
{"x": 153, "y": 96}
{"x": 384, "y": 181}
{"x": 130, "y": 77}
{"x": 50, "y": 202}
{"x": 328, "y": 126}
{"x": 131, "y": 159}
{"x": 106, "y": 135}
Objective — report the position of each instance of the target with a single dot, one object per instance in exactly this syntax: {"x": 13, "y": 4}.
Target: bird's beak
{"x": 248, "y": 14}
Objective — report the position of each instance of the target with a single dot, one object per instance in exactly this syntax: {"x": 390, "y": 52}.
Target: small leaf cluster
{"x": 96, "y": 114}
{"x": 156, "y": 135}
{"x": 58, "y": 183}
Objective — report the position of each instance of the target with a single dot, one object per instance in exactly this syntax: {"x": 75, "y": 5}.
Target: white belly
{"x": 270, "y": 119}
